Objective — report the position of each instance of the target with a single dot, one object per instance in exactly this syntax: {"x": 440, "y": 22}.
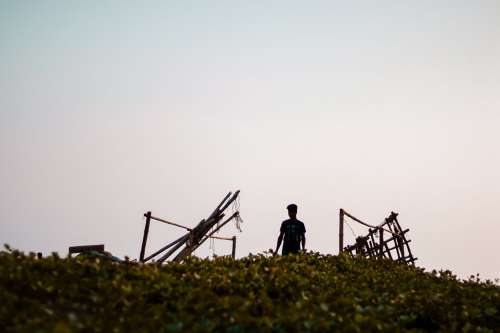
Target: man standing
{"x": 293, "y": 231}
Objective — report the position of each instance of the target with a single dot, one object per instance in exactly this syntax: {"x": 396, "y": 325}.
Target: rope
{"x": 235, "y": 209}
{"x": 212, "y": 246}
{"x": 352, "y": 230}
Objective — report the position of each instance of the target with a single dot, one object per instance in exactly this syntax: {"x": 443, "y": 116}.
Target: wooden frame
{"x": 396, "y": 246}
{"x": 187, "y": 244}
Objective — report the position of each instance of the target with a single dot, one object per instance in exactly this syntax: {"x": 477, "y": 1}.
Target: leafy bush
{"x": 303, "y": 293}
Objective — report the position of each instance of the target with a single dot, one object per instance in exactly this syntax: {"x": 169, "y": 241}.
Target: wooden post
{"x": 145, "y": 237}
{"x": 381, "y": 239}
{"x": 341, "y": 230}
{"x": 233, "y": 254}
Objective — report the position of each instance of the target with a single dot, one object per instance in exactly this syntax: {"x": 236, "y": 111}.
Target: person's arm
{"x": 280, "y": 239}
{"x": 303, "y": 237}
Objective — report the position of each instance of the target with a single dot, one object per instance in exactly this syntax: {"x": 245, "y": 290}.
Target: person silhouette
{"x": 293, "y": 231}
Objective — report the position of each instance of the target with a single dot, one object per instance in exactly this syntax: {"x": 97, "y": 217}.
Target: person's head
{"x": 292, "y": 211}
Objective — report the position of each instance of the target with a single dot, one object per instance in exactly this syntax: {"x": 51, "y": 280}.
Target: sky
{"x": 109, "y": 109}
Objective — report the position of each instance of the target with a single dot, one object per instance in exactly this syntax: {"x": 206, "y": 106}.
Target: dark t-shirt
{"x": 293, "y": 230}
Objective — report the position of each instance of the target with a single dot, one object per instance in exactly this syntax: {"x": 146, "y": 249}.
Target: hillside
{"x": 306, "y": 293}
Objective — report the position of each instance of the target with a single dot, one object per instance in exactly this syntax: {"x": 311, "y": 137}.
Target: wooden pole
{"x": 341, "y": 230}
{"x": 192, "y": 247}
{"x": 174, "y": 248}
{"x": 217, "y": 209}
{"x": 364, "y": 223}
{"x": 222, "y": 238}
{"x": 381, "y": 239}
{"x": 233, "y": 254}
{"x": 145, "y": 236}
{"x": 181, "y": 239}
{"x": 171, "y": 223}
{"x": 230, "y": 201}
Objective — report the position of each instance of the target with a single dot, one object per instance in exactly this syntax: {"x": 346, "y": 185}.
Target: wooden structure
{"x": 391, "y": 243}
{"x": 184, "y": 246}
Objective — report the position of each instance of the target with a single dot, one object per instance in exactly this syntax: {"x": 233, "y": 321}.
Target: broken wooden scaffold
{"x": 184, "y": 246}
{"x": 392, "y": 242}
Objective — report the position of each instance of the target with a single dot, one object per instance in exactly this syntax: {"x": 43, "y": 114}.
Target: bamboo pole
{"x": 381, "y": 239}
{"x": 188, "y": 229}
{"x": 398, "y": 235}
{"x": 341, "y": 230}
{"x": 222, "y": 238}
{"x": 233, "y": 252}
{"x": 171, "y": 223}
{"x": 174, "y": 248}
{"x": 188, "y": 237}
{"x": 235, "y": 195}
{"x": 165, "y": 247}
{"x": 396, "y": 246}
{"x": 145, "y": 236}
{"x": 365, "y": 224}
{"x": 179, "y": 242}
{"x": 387, "y": 250}
{"x": 216, "y": 210}
{"x": 190, "y": 249}
{"x": 403, "y": 239}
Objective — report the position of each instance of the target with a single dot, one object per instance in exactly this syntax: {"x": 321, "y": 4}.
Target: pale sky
{"x": 109, "y": 109}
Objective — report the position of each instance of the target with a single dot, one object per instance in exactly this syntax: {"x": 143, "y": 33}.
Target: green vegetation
{"x": 305, "y": 293}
